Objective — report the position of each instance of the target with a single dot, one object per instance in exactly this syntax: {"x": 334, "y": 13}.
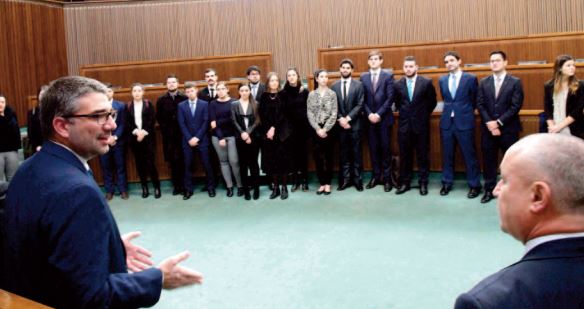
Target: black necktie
{"x": 212, "y": 93}
{"x": 345, "y": 96}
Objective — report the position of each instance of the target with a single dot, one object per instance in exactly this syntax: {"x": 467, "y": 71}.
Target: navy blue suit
{"x": 549, "y": 276}
{"x": 63, "y": 247}
{"x": 379, "y": 101}
{"x": 117, "y": 154}
{"x": 504, "y": 109}
{"x": 459, "y": 128}
{"x": 195, "y": 126}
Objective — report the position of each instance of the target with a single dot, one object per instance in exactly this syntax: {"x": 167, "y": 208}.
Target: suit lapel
{"x": 503, "y": 85}
{"x": 417, "y": 88}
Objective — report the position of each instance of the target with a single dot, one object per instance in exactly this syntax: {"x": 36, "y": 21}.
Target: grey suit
{"x": 350, "y": 139}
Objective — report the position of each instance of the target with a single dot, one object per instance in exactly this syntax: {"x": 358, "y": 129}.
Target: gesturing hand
{"x": 137, "y": 258}
{"x": 175, "y": 276}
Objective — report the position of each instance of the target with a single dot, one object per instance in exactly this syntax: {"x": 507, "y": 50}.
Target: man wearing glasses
{"x": 63, "y": 247}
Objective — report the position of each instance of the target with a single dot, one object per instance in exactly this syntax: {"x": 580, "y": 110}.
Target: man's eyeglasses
{"x": 100, "y": 118}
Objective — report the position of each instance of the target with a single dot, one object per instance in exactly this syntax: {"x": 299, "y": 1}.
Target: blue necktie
{"x": 193, "y": 107}
{"x": 90, "y": 173}
{"x": 410, "y": 90}
{"x": 452, "y": 87}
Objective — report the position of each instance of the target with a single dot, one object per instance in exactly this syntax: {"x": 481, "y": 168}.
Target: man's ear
{"x": 540, "y": 197}
{"x": 61, "y": 126}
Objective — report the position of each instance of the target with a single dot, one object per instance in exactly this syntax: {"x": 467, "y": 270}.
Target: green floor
{"x": 347, "y": 250}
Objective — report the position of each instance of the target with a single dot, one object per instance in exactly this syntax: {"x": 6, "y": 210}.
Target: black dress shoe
{"x": 372, "y": 183}
{"x": 109, "y": 196}
{"x": 304, "y": 185}
{"x": 473, "y": 192}
{"x": 240, "y": 191}
{"x": 295, "y": 187}
{"x": 145, "y": 192}
{"x": 256, "y": 192}
{"x": 211, "y": 192}
{"x": 157, "y": 193}
{"x": 275, "y": 193}
{"x": 387, "y": 186}
{"x": 177, "y": 191}
{"x": 402, "y": 189}
{"x": 487, "y": 197}
{"x": 319, "y": 192}
{"x": 445, "y": 190}
{"x": 246, "y": 194}
{"x": 343, "y": 186}
{"x": 359, "y": 186}
{"x": 187, "y": 195}
{"x": 423, "y": 189}
{"x": 284, "y": 194}
{"x": 229, "y": 192}
{"x": 326, "y": 192}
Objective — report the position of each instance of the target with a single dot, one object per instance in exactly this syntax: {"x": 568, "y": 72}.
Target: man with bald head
{"x": 541, "y": 203}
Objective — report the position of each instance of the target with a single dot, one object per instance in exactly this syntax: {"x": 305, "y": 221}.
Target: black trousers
{"x": 323, "y": 158}
{"x": 248, "y": 162}
{"x": 145, "y": 160}
{"x": 351, "y": 156}
{"x": 410, "y": 141}
{"x": 490, "y": 146}
{"x": 299, "y": 148}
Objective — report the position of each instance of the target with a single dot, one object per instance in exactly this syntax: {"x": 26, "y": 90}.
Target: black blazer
{"x": 148, "y": 120}
{"x": 354, "y": 106}
{"x": 415, "y": 114}
{"x": 239, "y": 122}
{"x": 206, "y": 96}
{"x": 33, "y": 129}
{"x": 505, "y": 107}
{"x": 261, "y": 89}
{"x": 548, "y": 276}
{"x": 574, "y": 107}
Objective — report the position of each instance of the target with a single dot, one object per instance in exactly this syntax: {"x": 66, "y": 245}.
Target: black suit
{"x": 548, "y": 276}
{"x": 350, "y": 139}
{"x": 505, "y": 110}
{"x": 144, "y": 151}
{"x": 205, "y": 95}
{"x": 414, "y": 127}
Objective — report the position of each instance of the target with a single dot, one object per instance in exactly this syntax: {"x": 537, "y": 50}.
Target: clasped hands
{"x": 374, "y": 118}
{"x": 173, "y": 274}
{"x": 344, "y": 122}
{"x": 493, "y": 126}
{"x": 245, "y": 137}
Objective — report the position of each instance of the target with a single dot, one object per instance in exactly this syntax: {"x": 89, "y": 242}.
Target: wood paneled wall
{"x": 33, "y": 50}
{"x": 292, "y": 30}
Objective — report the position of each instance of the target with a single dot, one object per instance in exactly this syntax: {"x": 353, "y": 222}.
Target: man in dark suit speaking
{"x": 541, "y": 204}
{"x": 63, "y": 247}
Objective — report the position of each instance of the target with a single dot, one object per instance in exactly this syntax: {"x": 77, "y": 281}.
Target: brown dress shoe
{"x": 124, "y": 195}
{"x": 109, "y": 196}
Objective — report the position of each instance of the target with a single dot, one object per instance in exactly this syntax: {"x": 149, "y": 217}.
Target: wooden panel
{"x": 13, "y": 301}
{"x": 293, "y": 30}
{"x": 521, "y": 48}
{"x": 33, "y": 50}
{"x": 152, "y": 72}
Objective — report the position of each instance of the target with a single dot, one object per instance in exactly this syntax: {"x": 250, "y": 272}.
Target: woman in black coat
{"x": 10, "y": 141}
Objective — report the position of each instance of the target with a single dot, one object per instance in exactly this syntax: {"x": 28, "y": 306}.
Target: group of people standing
{"x": 279, "y": 121}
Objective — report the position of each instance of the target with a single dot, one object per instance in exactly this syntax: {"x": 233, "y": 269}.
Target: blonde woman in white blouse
{"x": 322, "y": 115}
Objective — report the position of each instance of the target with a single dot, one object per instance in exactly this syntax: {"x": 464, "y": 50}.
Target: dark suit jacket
{"x": 206, "y": 96}
{"x": 196, "y": 126}
{"x": 549, "y": 276}
{"x": 463, "y": 104}
{"x": 355, "y": 99}
{"x": 505, "y": 107}
{"x": 33, "y": 128}
{"x": 239, "y": 120}
{"x": 166, "y": 114}
{"x": 574, "y": 106}
{"x": 63, "y": 245}
{"x": 148, "y": 120}
{"x": 381, "y": 99}
{"x": 261, "y": 89}
{"x": 119, "y": 132}
{"x": 415, "y": 114}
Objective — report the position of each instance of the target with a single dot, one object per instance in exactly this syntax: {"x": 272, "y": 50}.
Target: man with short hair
{"x": 256, "y": 86}
{"x": 166, "y": 109}
{"x": 540, "y": 198}
{"x": 63, "y": 247}
{"x": 499, "y": 101}
{"x": 350, "y": 96}
{"x": 378, "y": 85}
{"x": 416, "y": 99}
{"x": 457, "y": 124}
{"x": 209, "y": 93}
{"x": 115, "y": 158}
{"x": 193, "y": 119}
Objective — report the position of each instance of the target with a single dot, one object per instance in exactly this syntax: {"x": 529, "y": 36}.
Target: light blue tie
{"x": 410, "y": 90}
{"x": 452, "y": 87}
{"x": 193, "y": 107}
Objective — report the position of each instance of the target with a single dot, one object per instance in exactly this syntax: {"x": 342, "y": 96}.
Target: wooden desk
{"x": 13, "y": 301}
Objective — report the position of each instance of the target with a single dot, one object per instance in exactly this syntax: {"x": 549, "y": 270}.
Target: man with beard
{"x": 350, "y": 95}
{"x": 209, "y": 93}
{"x": 416, "y": 101}
{"x": 254, "y": 77}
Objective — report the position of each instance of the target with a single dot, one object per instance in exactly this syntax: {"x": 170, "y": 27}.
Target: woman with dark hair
{"x": 246, "y": 119}
{"x": 140, "y": 123}
{"x": 564, "y": 99}
{"x": 294, "y": 96}
{"x": 10, "y": 142}
{"x": 322, "y": 115}
{"x": 223, "y": 138}
{"x": 276, "y": 133}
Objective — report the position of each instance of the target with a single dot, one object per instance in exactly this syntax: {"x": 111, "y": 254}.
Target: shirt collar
{"x": 82, "y": 159}
{"x": 502, "y": 76}
{"x": 532, "y": 243}
{"x": 413, "y": 78}
{"x": 378, "y": 71}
